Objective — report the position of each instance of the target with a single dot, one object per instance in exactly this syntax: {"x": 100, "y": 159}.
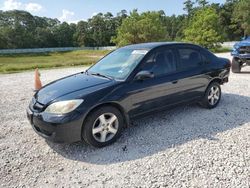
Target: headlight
{"x": 63, "y": 107}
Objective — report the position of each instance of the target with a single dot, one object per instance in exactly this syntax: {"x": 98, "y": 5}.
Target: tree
{"x": 16, "y": 27}
{"x": 137, "y": 28}
{"x": 202, "y": 3}
{"x": 230, "y": 31}
{"x": 100, "y": 30}
{"x": 174, "y": 27}
{"x": 80, "y": 34}
{"x": 241, "y": 16}
{"x": 188, "y": 6}
{"x": 2, "y": 41}
{"x": 63, "y": 34}
{"x": 123, "y": 14}
{"x": 23, "y": 30}
{"x": 44, "y": 38}
{"x": 204, "y": 28}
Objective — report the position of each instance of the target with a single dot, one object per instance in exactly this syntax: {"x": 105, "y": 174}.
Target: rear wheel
{"x": 212, "y": 96}
{"x": 236, "y": 65}
{"x": 103, "y": 126}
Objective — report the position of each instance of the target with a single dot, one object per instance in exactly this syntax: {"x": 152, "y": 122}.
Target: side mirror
{"x": 143, "y": 75}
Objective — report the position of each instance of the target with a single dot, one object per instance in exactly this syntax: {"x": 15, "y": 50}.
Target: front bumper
{"x": 56, "y": 129}
{"x": 244, "y": 56}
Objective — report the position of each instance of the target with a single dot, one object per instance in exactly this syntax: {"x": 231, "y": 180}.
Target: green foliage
{"x": 20, "y": 29}
{"x": 202, "y": 3}
{"x": 101, "y": 28}
{"x": 138, "y": 28}
{"x": 204, "y": 28}
{"x": 229, "y": 30}
{"x": 98, "y": 30}
{"x": 80, "y": 34}
{"x": 63, "y": 34}
{"x": 174, "y": 27}
{"x": 241, "y": 16}
{"x": 188, "y": 6}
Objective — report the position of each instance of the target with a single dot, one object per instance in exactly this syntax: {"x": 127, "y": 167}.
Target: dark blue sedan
{"x": 94, "y": 106}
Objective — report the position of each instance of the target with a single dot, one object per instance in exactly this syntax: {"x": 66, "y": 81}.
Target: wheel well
{"x": 115, "y": 105}
{"x": 218, "y": 80}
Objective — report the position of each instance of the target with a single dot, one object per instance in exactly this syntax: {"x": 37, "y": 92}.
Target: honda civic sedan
{"x": 94, "y": 106}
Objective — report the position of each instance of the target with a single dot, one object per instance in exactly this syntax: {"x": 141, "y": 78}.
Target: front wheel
{"x": 103, "y": 126}
{"x": 212, "y": 96}
{"x": 236, "y": 65}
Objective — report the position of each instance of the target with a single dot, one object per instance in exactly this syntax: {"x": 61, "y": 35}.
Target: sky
{"x": 74, "y": 10}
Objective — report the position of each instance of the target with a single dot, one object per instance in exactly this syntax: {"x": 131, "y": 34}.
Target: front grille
{"x": 244, "y": 50}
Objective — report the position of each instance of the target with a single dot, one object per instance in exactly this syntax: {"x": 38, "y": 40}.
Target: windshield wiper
{"x": 101, "y": 75}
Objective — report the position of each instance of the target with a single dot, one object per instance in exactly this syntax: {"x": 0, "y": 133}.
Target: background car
{"x": 132, "y": 81}
{"x": 241, "y": 55}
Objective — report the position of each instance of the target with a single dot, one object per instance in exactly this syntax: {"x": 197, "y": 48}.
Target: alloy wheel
{"x": 105, "y": 127}
{"x": 214, "y": 95}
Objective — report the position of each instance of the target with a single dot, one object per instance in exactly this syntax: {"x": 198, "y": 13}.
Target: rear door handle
{"x": 175, "y": 82}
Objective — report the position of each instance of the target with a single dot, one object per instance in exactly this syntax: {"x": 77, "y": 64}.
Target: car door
{"x": 157, "y": 92}
{"x": 191, "y": 66}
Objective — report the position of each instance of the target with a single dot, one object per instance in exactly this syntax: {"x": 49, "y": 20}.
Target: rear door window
{"x": 189, "y": 58}
{"x": 207, "y": 56}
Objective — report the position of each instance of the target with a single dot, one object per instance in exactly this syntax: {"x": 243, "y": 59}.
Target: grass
{"x": 221, "y": 50}
{"x": 22, "y": 62}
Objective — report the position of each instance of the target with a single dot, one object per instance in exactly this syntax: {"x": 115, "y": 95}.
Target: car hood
{"x": 243, "y": 43}
{"x": 68, "y": 85}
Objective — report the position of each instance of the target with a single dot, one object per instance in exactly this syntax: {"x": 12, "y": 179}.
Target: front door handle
{"x": 175, "y": 82}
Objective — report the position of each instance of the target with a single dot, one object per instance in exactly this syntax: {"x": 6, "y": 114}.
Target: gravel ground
{"x": 183, "y": 147}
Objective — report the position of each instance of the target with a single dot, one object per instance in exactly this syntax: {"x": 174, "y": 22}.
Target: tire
{"x": 103, "y": 126}
{"x": 212, "y": 96}
{"x": 236, "y": 66}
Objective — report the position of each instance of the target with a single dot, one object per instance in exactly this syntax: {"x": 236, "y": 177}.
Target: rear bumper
{"x": 68, "y": 132}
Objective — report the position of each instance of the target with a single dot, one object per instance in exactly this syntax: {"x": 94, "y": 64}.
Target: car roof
{"x": 152, "y": 45}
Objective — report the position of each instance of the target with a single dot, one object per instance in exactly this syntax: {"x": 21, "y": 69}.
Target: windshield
{"x": 118, "y": 64}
